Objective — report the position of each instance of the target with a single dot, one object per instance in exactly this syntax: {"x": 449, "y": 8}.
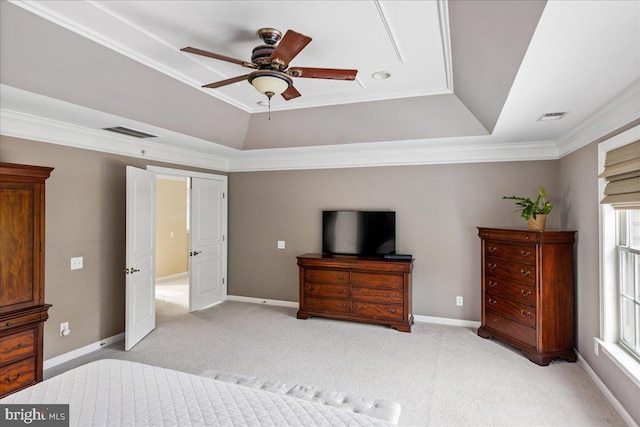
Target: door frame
{"x": 225, "y": 180}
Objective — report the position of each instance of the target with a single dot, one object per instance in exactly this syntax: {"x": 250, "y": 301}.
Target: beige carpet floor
{"x": 441, "y": 375}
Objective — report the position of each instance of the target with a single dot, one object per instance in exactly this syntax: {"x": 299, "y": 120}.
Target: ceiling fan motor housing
{"x": 260, "y": 55}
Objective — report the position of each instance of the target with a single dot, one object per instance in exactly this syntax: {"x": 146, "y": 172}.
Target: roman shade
{"x": 622, "y": 173}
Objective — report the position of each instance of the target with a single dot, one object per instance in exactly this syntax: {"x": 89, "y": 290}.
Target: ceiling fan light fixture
{"x": 269, "y": 82}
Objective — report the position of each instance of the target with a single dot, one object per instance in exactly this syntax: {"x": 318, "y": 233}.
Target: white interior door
{"x": 206, "y": 260}
{"x": 140, "y": 310}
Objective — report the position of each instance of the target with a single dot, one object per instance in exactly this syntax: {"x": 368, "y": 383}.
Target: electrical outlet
{"x": 596, "y": 347}
{"x": 76, "y": 263}
{"x": 64, "y": 329}
{"x": 280, "y": 244}
{"x": 459, "y": 300}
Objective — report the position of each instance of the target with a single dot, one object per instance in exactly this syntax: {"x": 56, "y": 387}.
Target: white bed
{"x": 122, "y": 393}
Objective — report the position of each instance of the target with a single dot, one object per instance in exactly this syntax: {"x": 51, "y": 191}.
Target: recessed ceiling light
{"x": 381, "y": 75}
{"x": 552, "y": 116}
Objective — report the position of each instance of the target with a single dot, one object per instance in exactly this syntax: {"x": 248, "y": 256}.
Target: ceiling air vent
{"x": 131, "y": 132}
{"x": 552, "y": 116}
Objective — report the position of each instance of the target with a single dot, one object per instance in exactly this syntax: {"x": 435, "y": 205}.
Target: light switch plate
{"x": 280, "y": 244}
{"x": 76, "y": 263}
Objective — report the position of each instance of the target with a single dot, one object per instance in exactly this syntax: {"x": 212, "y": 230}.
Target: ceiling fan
{"x": 271, "y": 61}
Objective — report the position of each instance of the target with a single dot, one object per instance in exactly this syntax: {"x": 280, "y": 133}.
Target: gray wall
{"x": 579, "y": 211}
{"x": 437, "y": 208}
{"x": 85, "y": 216}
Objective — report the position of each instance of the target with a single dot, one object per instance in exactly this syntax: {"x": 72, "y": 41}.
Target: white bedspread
{"x": 123, "y": 393}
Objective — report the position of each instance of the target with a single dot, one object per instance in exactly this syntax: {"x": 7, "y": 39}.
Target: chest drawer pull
{"x": 492, "y": 301}
{"x": 9, "y": 380}
{"x": 9, "y": 324}
{"x": 492, "y": 266}
{"x": 493, "y": 248}
{"x": 340, "y": 277}
{"x": 393, "y": 310}
{"x": 525, "y": 273}
{"x": 527, "y": 313}
{"x": 525, "y": 254}
{"x": 525, "y": 293}
{"x": 492, "y": 283}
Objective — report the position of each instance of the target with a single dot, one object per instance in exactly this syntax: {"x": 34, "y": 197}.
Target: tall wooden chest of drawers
{"x": 528, "y": 291}
{"x": 364, "y": 289}
{"x": 22, "y": 307}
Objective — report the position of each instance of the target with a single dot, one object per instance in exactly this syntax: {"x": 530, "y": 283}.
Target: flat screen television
{"x": 359, "y": 232}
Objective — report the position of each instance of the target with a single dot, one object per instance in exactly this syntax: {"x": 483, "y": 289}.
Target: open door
{"x": 140, "y": 310}
{"x": 206, "y": 260}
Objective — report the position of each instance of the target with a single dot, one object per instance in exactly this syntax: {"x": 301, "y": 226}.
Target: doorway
{"x": 172, "y": 246}
{"x": 207, "y": 245}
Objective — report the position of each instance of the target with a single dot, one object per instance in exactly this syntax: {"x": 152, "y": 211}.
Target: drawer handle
{"x": 396, "y": 268}
{"x": 525, "y": 293}
{"x": 341, "y": 291}
{"x": 19, "y": 345}
{"x": 9, "y": 380}
{"x": 9, "y": 324}
{"x": 357, "y": 265}
{"x": 492, "y": 266}
{"x": 492, "y": 301}
{"x": 525, "y": 254}
{"x": 493, "y": 249}
{"x": 340, "y": 277}
{"x": 492, "y": 283}
{"x": 527, "y": 314}
{"x": 311, "y": 274}
{"x": 312, "y": 288}
{"x": 525, "y": 273}
{"x": 393, "y": 310}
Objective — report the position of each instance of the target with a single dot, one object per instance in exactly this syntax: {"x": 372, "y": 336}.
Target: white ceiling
{"x": 471, "y": 71}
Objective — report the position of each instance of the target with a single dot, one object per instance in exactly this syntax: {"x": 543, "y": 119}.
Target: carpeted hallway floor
{"x": 441, "y": 375}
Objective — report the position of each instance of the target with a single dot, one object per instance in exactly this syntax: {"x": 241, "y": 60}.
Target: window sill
{"x": 626, "y": 362}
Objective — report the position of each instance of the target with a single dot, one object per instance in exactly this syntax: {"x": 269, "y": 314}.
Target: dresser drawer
{"x": 521, "y": 292}
{"x": 325, "y": 290}
{"x": 17, "y": 346}
{"x": 327, "y": 304}
{"x": 391, "y": 266}
{"x": 17, "y": 375}
{"x": 326, "y": 276}
{"x": 516, "y": 311}
{"x": 520, "y": 332}
{"x": 518, "y": 253}
{"x": 377, "y": 311}
{"x": 373, "y": 280}
{"x": 377, "y": 295}
{"x": 523, "y": 273}
{"x": 16, "y": 321}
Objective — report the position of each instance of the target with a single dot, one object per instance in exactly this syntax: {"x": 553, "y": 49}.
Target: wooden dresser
{"x": 364, "y": 289}
{"x": 22, "y": 307}
{"x": 528, "y": 291}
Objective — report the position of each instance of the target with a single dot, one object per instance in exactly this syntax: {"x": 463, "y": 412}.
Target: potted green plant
{"x": 534, "y": 211}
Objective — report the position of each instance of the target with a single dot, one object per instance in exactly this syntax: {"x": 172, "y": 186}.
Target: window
{"x": 619, "y": 195}
{"x": 628, "y": 251}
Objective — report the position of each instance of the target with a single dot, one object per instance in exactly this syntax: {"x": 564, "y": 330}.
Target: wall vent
{"x": 552, "y": 116}
{"x": 130, "y": 132}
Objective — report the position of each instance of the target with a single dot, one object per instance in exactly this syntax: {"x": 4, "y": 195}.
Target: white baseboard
{"x": 55, "y": 361}
{"x": 183, "y": 275}
{"x": 607, "y": 394}
{"x": 253, "y": 300}
{"x": 417, "y": 318}
{"x": 446, "y": 321}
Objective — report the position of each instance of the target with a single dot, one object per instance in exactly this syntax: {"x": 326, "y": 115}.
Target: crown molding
{"x": 393, "y": 153}
{"x": 374, "y": 154}
{"x": 26, "y": 126}
{"x": 620, "y": 111}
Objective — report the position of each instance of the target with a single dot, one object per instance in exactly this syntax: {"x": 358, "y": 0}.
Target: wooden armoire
{"x": 22, "y": 307}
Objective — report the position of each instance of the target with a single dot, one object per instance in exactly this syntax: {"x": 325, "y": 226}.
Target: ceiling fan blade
{"x": 322, "y": 73}
{"x": 218, "y": 56}
{"x": 290, "y": 45}
{"x": 226, "y": 82}
{"x": 290, "y": 93}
